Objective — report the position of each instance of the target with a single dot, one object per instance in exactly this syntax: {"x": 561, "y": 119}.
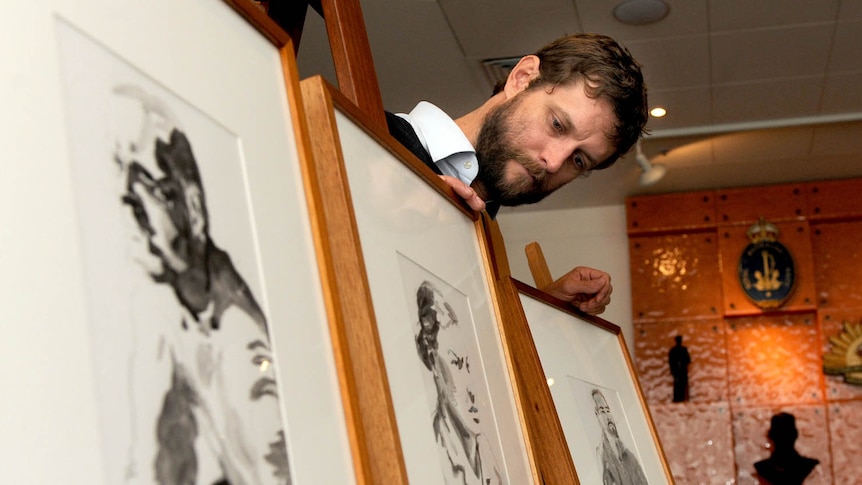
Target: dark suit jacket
{"x": 401, "y": 130}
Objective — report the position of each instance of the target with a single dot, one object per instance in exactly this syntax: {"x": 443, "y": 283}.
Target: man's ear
{"x": 521, "y": 75}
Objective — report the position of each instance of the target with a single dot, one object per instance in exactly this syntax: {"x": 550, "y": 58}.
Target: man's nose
{"x": 556, "y": 154}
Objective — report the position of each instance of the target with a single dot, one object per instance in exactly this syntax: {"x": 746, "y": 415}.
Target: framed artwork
{"x": 412, "y": 268}
{"x": 605, "y": 420}
{"x": 180, "y": 306}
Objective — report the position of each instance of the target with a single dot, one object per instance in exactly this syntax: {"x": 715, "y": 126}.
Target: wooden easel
{"x": 372, "y": 431}
{"x": 348, "y": 41}
{"x": 538, "y": 265}
{"x": 357, "y": 81}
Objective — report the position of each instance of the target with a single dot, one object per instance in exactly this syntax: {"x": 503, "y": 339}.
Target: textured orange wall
{"x": 747, "y": 363}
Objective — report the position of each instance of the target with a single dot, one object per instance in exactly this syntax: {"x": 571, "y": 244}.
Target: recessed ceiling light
{"x": 658, "y": 112}
{"x": 641, "y": 12}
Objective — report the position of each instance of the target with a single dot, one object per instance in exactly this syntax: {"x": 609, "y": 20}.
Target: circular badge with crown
{"x": 766, "y": 270}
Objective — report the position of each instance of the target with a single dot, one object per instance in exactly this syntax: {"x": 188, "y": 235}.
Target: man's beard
{"x": 494, "y": 149}
{"x": 612, "y": 428}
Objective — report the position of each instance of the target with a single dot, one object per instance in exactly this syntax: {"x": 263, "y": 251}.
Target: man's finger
{"x": 588, "y": 286}
{"x": 465, "y": 192}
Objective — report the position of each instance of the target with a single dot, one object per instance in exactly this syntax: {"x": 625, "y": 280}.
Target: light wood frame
{"x": 205, "y": 55}
{"x": 357, "y": 314}
{"x": 574, "y": 346}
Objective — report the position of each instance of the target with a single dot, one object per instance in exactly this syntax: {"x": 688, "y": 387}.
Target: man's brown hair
{"x": 609, "y": 72}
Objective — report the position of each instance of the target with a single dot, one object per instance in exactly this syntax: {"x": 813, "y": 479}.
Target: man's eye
{"x": 169, "y": 193}
{"x": 579, "y": 162}
{"x": 558, "y": 127}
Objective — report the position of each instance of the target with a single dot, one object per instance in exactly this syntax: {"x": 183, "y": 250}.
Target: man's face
{"x": 445, "y": 314}
{"x": 455, "y": 360}
{"x": 603, "y": 413}
{"x": 540, "y": 140}
{"x": 439, "y": 315}
{"x": 151, "y": 206}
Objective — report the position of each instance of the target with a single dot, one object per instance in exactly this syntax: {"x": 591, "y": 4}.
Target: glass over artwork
{"x": 185, "y": 375}
{"x": 455, "y": 384}
{"x": 606, "y": 428}
{"x": 604, "y": 418}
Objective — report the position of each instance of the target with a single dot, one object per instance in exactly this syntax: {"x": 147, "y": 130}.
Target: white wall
{"x": 594, "y": 237}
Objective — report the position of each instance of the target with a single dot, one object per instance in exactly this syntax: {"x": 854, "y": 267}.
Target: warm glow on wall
{"x": 774, "y": 359}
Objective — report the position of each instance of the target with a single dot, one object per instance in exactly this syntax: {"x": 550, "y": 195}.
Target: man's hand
{"x": 465, "y": 192}
{"x": 587, "y": 289}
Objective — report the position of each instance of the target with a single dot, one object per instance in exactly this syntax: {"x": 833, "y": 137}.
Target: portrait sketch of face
{"x": 451, "y": 369}
{"x": 187, "y": 388}
{"x": 610, "y": 438}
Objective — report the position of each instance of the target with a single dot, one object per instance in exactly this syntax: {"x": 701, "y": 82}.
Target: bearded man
{"x": 576, "y": 105}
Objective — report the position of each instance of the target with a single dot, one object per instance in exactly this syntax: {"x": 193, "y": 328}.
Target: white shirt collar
{"x": 439, "y": 133}
{"x": 449, "y": 148}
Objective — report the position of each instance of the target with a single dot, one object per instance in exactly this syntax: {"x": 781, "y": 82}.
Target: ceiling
{"x": 757, "y": 91}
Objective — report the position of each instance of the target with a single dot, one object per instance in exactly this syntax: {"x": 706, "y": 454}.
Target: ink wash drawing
{"x": 186, "y": 383}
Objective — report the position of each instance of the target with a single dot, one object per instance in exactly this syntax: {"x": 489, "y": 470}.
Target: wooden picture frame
{"x": 388, "y": 225}
{"x": 76, "y": 281}
{"x": 594, "y": 386}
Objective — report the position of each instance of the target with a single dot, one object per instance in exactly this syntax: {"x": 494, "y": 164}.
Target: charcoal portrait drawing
{"x": 615, "y": 461}
{"x": 187, "y": 384}
{"x": 214, "y": 381}
{"x": 619, "y": 464}
{"x": 461, "y": 419}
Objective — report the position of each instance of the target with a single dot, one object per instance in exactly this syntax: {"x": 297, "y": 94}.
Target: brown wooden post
{"x": 538, "y": 265}
{"x": 348, "y": 43}
{"x": 351, "y": 53}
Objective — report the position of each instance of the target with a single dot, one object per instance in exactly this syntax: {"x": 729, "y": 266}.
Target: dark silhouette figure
{"x": 785, "y": 466}
{"x": 678, "y": 359}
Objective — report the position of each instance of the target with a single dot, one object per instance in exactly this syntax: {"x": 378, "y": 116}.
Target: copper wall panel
{"x": 831, "y": 324}
{"x": 671, "y": 212}
{"x": 751, "y": 445}
{"x": 834, "y": 198}
{"x": 675, "y": 276}
{"x": 697, "y": 441}
{"x": 795, "y": 236}
{"x": 845, "y": 429}
{"x": 774, "y": 360}
{"x": 747, "y": 205}
{"x": 707, "y": 373}
{"x": 837, "y": 249}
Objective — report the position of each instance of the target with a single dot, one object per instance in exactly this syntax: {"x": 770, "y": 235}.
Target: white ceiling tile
{"x": 422, "y": 60}
{"x": 679, "y": 179}
{"x": 749, "y": 14}
{"x": 850, "y": 9}
{"x": 759, "y": 146}
{"x": 673, "y": 62}
{"x": 770, "y": 53}
{"x": 842, "y": 94}
{"x": 684, "y": 19}
{"x": 846, "y": 55}
{"x": 802, "y": 169}
{"x": 685, "y": 107}
{"x": 487, "y": 29}
{"x": 838, "y": 139}
{"x": 680, "y": 151}
{"x": 738, "y": 103}
{"x": 653, "y": 145}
